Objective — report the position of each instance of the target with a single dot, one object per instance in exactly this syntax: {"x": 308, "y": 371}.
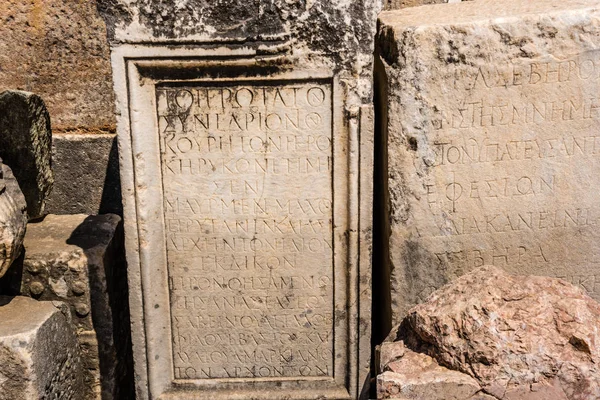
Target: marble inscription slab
{"x": 247, "y": 184}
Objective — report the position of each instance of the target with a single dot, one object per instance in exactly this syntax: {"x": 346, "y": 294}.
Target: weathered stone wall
{"x": 59, "y": 51}
{"x": 86, "y": 170}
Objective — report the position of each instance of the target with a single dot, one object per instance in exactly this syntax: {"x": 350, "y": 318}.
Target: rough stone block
{"x": 79, "y": 260}
{"x": 86, "y": 175}
{"x": 491, "y": 132}
{"x": 398, "y": 4}
{"x": 39, "y": 353}
{"x": 26, "y": 146}
{"x": 13, "y": 218}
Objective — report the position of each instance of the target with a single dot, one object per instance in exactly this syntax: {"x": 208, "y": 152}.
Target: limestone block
{"x": 86, "y": 175}
{"x": 39, "y": 353}
{"x": 518, "y": 337}
{"x": 491, "y": 132}
{"x": 13, "y": 218}
{"x": 79, "y": 260}
{"x": 25, "y": 146}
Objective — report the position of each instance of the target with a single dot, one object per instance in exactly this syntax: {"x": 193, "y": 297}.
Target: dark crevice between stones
{"x": 10, "y": 283}
{"x": 112, "y": 201}
{"x": 381, "y": 298}
{"x": 109, "y": 278}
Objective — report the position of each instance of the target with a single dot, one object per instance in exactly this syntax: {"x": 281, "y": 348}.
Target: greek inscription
{"x": 580, "y": 69}
{"x": 485, "y": 150}
{"x": 248, "y": 203}
{"x": 588, "y": 282}
{"x": 503, "y": 256}
{"x": 459, "y": 191}
{"x": 517, "y": 221}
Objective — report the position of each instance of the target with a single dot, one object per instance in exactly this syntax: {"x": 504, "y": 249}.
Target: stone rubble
{"x": 515, "y": 337}
{"x": 79, "y": 260}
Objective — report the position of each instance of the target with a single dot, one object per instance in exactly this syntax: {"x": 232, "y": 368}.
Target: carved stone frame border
{"x": 137, "y": 69}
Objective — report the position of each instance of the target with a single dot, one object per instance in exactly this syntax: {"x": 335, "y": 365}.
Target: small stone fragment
{"x": 82, "y": 310}
{"x": 25, "y": 146}
{"x": 36, "y": 288}
{"x": 78, "y": 288}
{"x": 39, "y": 353}
{"x": 418, "y": 376}
{"x": 13, "y": 218}
{"x": 388, "y": 352}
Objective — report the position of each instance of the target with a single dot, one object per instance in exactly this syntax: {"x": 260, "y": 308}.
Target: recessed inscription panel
{"x": 248, "y": 201}
{"x": 507, "y": 175}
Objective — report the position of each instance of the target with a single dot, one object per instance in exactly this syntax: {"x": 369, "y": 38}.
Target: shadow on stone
{"x": 111, "y": 201}
{"x": 108, "y": 281}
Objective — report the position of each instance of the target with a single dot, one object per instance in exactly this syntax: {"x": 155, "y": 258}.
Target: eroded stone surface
{"x": 316, "y": 33}
{"x": 26, "y": 146}
{"x": 13, "y": 218}
{"x": 59, "y": 50}
{"x": 398, "y": 4}
{"x": 39, "y": 352}
{"x": 79, "y": 260}
{"x": 492, "y": 126}
{"x": 518, "y": 337}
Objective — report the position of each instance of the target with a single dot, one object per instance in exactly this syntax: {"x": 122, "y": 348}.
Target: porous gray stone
{"x": 86, "y": 175}
{"x": 79, "y": 260}
{"x": 60, "y": 52}
{"x": 39, "y": 353}
{"x": 13, "y": 218}
{"x": 26, "y": 146}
